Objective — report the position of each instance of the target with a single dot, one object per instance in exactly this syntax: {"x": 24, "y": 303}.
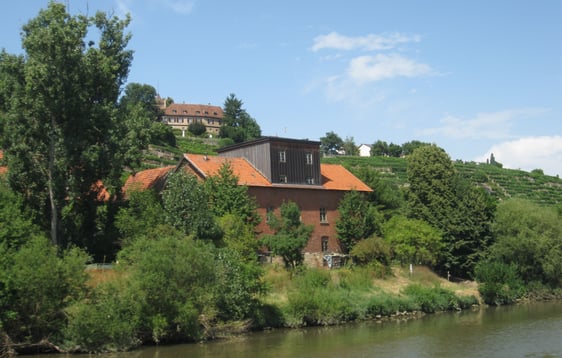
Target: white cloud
{"x": 492, "y": 125}
{"x": 528, "y": 153}
{"x": 370, "y": 42}
{"x": 180, "y": 7}
{"x": 379, "y": 67}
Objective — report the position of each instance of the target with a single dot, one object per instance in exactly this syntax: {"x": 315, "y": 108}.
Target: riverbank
{"x": 311, "y": 297}
{"x": 318, "y": 297}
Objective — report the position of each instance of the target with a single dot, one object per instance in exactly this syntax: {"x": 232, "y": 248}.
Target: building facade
{"x": 277, "y": 170}
{"x": 180, "y": 116}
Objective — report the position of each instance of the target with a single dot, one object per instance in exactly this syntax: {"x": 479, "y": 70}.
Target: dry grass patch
{"x": 423, "y": 276}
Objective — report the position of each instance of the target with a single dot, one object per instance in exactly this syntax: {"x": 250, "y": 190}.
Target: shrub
{"x": 434, "y": 299}
{"x": 197, "y": 128}
{"x": 373, "y": 249}
{"x": 36, "y": 286}
{"x": 499, "y": 283}
{"x": 356, "y": 278}
{"x": 107, "y": 321}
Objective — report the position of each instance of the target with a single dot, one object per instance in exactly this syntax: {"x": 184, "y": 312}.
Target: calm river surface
{"x": 533, "y": 330}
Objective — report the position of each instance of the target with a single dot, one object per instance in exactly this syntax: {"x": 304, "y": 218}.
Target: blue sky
{"x": 474, "y": 77}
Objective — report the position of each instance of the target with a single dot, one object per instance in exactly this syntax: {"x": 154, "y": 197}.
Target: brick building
{"x": 277, "y": 170}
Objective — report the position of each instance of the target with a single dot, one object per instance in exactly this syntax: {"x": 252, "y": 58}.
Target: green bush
{"x": 434, "y": 299}
{"x": 319, "y": 306}
{"x": 36, "y": 285}
{"x": 197, "y": 128}
{"x": 107, "y": 321}
{"x": 170, "y": 289}
{"x": 499, "y": 283}
{"x": 373, "y": 249}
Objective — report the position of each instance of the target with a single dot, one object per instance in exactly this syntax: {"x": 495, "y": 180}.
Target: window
{"x": 282, "y": 156}
{"x": 282, "y": 178}
{"x": 310, "y": 180}
{"x": 323, "y": 216}
{"x": 309, "y": 158}
{"x": 324, "y": 243}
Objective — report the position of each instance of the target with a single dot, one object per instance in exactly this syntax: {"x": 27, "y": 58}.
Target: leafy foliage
{"x": 529, "y": 237}
{"x": 141, "y": 215}
{"x": 227, "y": 197}
{"x": 62, "y": 133}
{"x": 186, "y": 204}
{"x": 290, "y": 235}
{"x": 331, "y": 144}
{"x": 357, "y": 220}
{"x": 196, "y": 128}
{"x": 36, "y": 285}
{"x": 237, "y": 124}
{"x": 373, "y": 249}
{"x": 462, "y": 212}
{"x": 170, "y": 289}
{"x": 349, "y": 146}
{"x": 16, "y": 227}
{"x": 498, "y": 282}
{"x": 413, "y": 241}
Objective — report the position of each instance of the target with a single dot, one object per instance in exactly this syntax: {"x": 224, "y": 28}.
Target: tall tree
{"x": 409, "y": 147}
{"x": 237, "y": 124}
{"x": 386, "y": 195}
{"x": 139, "y": 113}
{"x": 379, "y": 148}
{"x": 413, "y": 241}
{"x": 529, "y": 236}
{"x": 186, "y": 204}
{"x": 61, "y": 130}
{"x": 462, "y": 213}
{"x": 143, "y": 94}
{"x": 290, "y": 235}
{"x": 227, "y": 197}
{"x": 349, "y": 146}
{"x": 358, "y": 220}
{"x": 331, "y": 144}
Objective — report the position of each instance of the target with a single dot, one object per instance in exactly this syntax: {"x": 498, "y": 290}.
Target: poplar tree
{"x": 460, "y": 210}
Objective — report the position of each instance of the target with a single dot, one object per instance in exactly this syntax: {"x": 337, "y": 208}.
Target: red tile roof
{"x": 101, "y": 192}
{"x": 334, "y": 176}
{"x": 209, "y": 165}
{"x": 146, "y": 179}
{"x": 202, "y": 110}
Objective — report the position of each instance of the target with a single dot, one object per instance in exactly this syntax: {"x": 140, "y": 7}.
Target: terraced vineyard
{"x": 500, "y": 182}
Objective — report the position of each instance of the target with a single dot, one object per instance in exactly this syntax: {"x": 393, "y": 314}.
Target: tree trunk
{"x": 50, "y": 185}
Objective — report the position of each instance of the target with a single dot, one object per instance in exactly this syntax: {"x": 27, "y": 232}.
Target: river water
{"x": 530, "y": 330}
